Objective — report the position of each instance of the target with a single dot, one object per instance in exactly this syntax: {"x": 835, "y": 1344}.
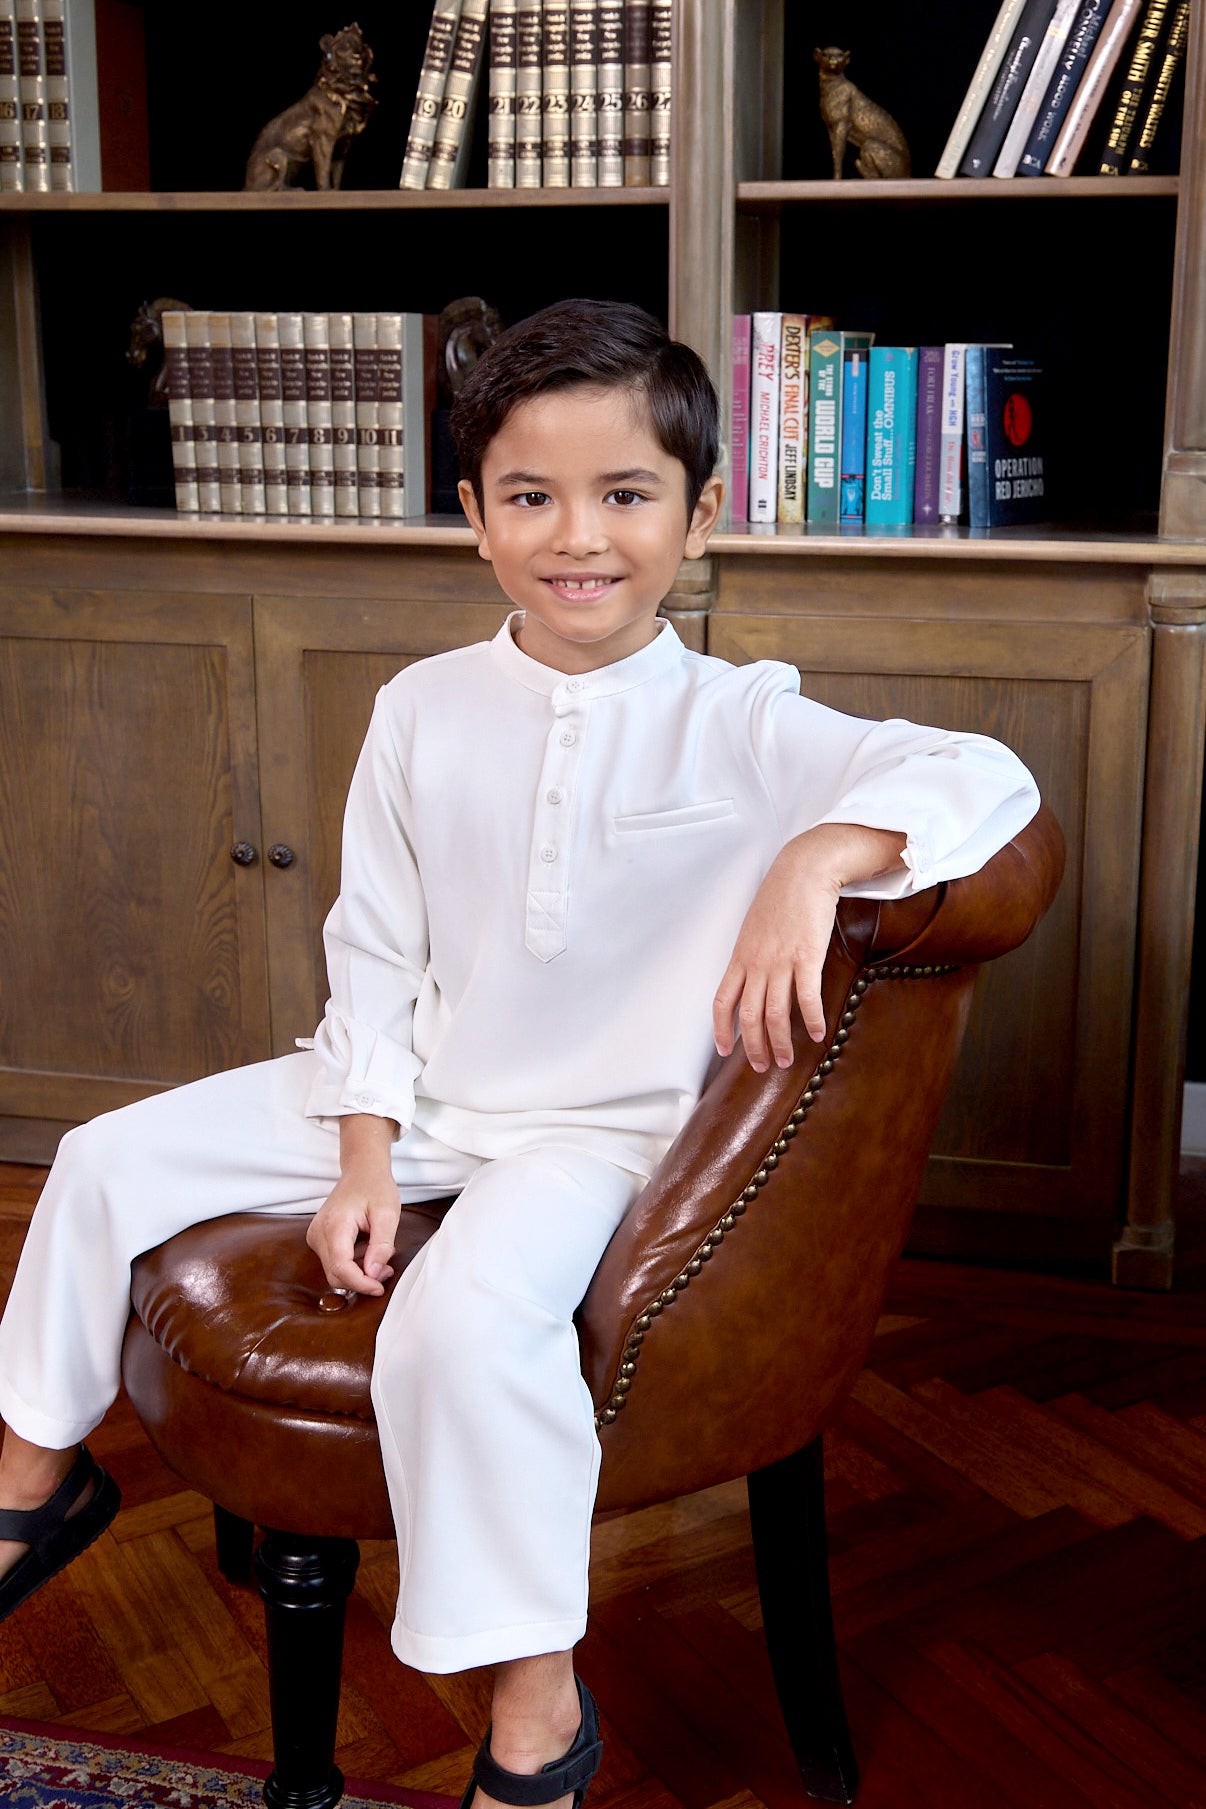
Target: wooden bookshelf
{"x": 341, "y": 201}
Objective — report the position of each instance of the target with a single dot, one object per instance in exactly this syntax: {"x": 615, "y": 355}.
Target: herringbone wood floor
{"x": 1017, "y": 1510}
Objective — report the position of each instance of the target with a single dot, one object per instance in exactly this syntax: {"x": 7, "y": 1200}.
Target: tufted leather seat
{"x": 727, "y": 1319}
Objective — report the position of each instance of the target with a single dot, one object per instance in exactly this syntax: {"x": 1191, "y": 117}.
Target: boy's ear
{"x": 469, "y": 504}
{"x": 704, "y": 518}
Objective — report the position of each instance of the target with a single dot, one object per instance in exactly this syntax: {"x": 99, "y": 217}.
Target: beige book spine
{"x": 584, "y": 95}
{"x": 272, "y": 413}
{"x": 293, "y": 407}
{"x": 31, "y": 75}
{"x": 636, "y": 93}
{"x": 317, "y": 342}
{"x": 247, "y": 413}
{"x": 389, "y": 415}
{"x": 450, "y": 152}
{"x": 661, "y": 78}
{"x": 555, "y": 109}
{"x": 501, "y": 153}
{"x": 180, "y": 410}
{"x": 58, "y": 100}
{"x": 436, "y": 58}
{"x": 609, "y": 93}
{"x": 529, "y": 91}
{"x": 343, "y": 414}
{"x": 368, "y": 459}
{"x": 201, "y": 392}
{"x": 226, "y": 425}
{"x": 11, "y": 174}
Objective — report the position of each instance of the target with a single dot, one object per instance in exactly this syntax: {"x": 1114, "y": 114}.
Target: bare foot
{"x": 29, "y": 1476}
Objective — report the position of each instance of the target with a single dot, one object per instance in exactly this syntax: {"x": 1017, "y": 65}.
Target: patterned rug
{"x": 47, "y": 1768}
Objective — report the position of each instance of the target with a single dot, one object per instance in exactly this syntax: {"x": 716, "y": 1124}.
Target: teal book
{"x": 891, "y": 435}
{"x": 826, "y": 351}
{"x": 854, "y": 433}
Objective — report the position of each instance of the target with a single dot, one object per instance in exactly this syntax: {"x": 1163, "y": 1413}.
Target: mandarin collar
{"x": 664, "y": 651}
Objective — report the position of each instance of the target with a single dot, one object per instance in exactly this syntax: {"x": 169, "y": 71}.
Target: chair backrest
{"x": 736, "y": 1302}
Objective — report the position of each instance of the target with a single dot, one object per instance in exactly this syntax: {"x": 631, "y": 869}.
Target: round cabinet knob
{"x": 280, "y": 855}
{"x": 242, "y": 854}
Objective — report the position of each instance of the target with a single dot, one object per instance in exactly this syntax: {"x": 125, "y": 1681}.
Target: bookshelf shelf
{"x": 334, "y": 201}
{"x": 764, "y": 197}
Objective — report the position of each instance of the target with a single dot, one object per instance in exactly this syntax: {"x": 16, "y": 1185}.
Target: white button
{"x": 365, "y": 1099}
{"x": 567, "y": 738}
{"x": 548, "y": 854}
{"x": 555, "y": 796}
{"x": 575, "y": 684}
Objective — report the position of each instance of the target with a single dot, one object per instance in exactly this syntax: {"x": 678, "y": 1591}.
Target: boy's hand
{"x": 783, "y": 942}
{"x": 364, "y": 1201}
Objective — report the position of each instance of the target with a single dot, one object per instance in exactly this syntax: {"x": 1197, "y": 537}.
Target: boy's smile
{"x": 585, "y": 523}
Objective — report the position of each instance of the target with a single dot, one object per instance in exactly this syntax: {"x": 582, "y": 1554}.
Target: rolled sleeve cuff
{"x": 360, "y": 1069}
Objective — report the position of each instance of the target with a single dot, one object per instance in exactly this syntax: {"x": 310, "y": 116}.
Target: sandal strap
{"x": 34, "y": 1525}
{"x": 573, "y": 1771}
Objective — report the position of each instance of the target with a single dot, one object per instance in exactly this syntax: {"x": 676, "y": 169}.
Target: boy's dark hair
{"x": 606, "y": 345}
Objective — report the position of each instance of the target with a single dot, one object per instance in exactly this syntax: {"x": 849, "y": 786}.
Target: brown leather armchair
{"x": 726, "y": 1322}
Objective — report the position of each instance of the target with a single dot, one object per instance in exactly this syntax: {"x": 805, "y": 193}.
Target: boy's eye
{"x": 530, "y": 499}
{"x": 625, "y": 498}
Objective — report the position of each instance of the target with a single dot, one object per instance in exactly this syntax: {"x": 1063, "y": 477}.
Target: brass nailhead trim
{"x": 715, "y": 1237}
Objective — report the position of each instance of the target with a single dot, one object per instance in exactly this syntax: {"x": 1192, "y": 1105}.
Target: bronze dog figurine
{"x": 319, "y": 128}
{"x": 851, "y": 118}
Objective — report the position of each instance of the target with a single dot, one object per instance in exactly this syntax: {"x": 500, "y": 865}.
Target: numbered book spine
{"x": 609, "y": 93}
{"x": 1091, "y": 90}
{"x": 180, "y": 410}
{"x": 11, "y": 176}
{"x": 450, "y": 152}
{"x": 792, "y": 471}
{"x": 343, "y": 414}
{"x": 316, "y": 339}
{"x": 950, "y": 480}
{"x": 929, "y": 434}
{"x": 272, "y": 413}
{"x": 891, "y": 435}
{"x": 293, "y": 405}
{"x": 991, "y": 58}
{"x": 247, "y": 413}
{"x": 201, "y": 393}
{"x": 636, "y": 93}
{"x": 31, "y": 72}
{"x": 739, "y": 436}
{"x": 824, "y": 425}
{"x": 529, "y": 93}
{"x": 556, "y": 105}
{"x": 1005, "y": 93}
{"x": 389, "y": 415}
{"x": 661, "y": 76}
{"x": 226, "y": 426}
{"x": 1139, "y": 77}
{"x": 1170, "y": 62}
{"x": 58, "y": 100}
{"x": 368, "y": 463}
{"x": 584, "y": 97}
{"x": 764, "y": 415}
{"x": 853, "y": 475}
{"x": 425, "y": 118}
{"x": 1069, "y": 71}
{"x": 500, "y": 172}
{"x": 1037, "y": 83}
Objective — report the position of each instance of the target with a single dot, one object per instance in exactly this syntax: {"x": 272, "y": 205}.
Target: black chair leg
{"x": 305, "y": 1584}
{"x": 235, "y": 1537}
{"x": 791, "y": 1553}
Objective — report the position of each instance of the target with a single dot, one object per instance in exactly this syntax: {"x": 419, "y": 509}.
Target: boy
{"x": 554, "y": 843}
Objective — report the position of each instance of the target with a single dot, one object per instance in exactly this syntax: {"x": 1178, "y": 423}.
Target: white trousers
{"x": 487, "y": 1429}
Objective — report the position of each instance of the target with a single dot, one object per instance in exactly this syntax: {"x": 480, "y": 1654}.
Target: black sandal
{"x": 53, "y": 1538}
{"x": 528, "y": 1790}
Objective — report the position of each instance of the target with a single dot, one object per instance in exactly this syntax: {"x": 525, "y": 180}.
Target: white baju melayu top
{"x": 544, "y": 876}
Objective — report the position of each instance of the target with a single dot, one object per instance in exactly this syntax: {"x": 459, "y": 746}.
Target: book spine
{"x": 555, "y": 111}
{"x": 584, "y": 95}
{"x": 293, "y": 406}
{"x": 389, "y": 415}
{"x": 976, "y": 409}
{"x": 824, "y": 424}
{"x": 1085, "y": 103}
{"x": 1037, "y": 82}
{"x": 83, "y": 96}
{"x": 792, "y": 473}
{"x": 739, "y": 439}
{"x": 368, "y": 462}
{"x": 32, "y": 79}
{"x": 11, "y": 176}
{"x": 661, "y": 76}
{"x": 609, "y": 95}
{"x": 247, "y": 413}
{"x": 316, "y": 341}
{"x": 436, "y": 57}
{"x": 852, "y": 500}
{"x": 1069, "y": 72}
{"x": 58, "y": 100}
{"x": 180, "y": 410}
{"x": 1006, "y": 91}
{"x": 950, "y": 481}
{"x": 272, "y": 413}
{"x": 529, "y": 92}
{"x": 416, "y": 411}
{"x": 636, "y": 93}
{"x": 891, "y": 435}
{"x": 226, "y": 426}
{"x": 764, "y": 415}
{"x": 1170, "y": 62}
{"x": 991, "y": 58}
{"x": 450, "y": 150}
{"x": 201, "y": 396}
{"x": 926, "y": 483}
{"x": 343, "y": 415}
{"x": 500, "y": 172}
{"x": 1138, "y": 77}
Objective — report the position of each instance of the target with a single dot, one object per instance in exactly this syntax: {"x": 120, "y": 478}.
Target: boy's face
{"x": 585, "y": 523}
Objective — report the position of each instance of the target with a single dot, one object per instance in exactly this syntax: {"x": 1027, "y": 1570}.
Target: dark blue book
{"x": 1006, "y": 92}
{"x": 854, "y": 432}
{"x": 1064, "y": 83}
{"x": 1007, "y": 478}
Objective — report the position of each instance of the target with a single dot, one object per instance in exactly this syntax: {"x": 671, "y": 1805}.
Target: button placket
{"x": 549, "y": 858}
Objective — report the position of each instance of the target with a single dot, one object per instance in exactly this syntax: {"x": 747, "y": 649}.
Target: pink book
{"x": 739, "y": 463}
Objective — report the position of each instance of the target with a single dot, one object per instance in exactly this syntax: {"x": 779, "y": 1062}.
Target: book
{"x": 1170, "y": 61}
{"x": 226, "y": 427}
{"x": 1137, "y": 82}
{"x": 368, "y": 463}
{"x": 247, "y": 413}
{"x": 58, "y": 99}
{"x": 555, "y": 116}
{"x": 739, "y": 445}
{"x": 928, "y": 464}
{"x": 792, "y": 469}
{"x": 127, "y": 132}
{"x": 891, "y": 435}
{"x": 584, "y": 115}
{"x": 272, "y": 414}
{"x": 529, "y": 94}
{"x": 993, "y": 123}
{"x": 343, "y": 414}
{"x": 291, "y": 335}
{"x": 31, "y": 76}
{"x": 450, "y": 148}
{"x": 824, "y": 424}
{"x": 420, "y": 351}
{"x": 1091, "y": 89}
{"x": 636, "y": 93}
{"x": 609, "y": 93}
{"x": 180, "y": 410}
{"x": 950, "y": 452}
{"x": 1007, "y": 478}
{"x": 316, "y": 342}
{"x": 991, "y": 57}
{"x": 661, "y": 78}
{"x": 201, "y": 399}
{"x": 389, "y": 415}
{"x": 424, "y": 120}
{"x": 1034, "y": 92}
{"x": 500, "y": 160}
{"x": 853, "y": 470}
{"x": 11, "y": 175}
{"x": 765, "y": 334}
{"x": 1069, "y": 70}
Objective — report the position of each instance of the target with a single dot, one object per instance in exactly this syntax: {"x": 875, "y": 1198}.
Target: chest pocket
{"x": 687, "y": 816}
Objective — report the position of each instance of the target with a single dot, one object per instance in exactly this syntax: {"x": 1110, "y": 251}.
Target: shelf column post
{"x": 27, "y": 456}
{"x": 1183, "y": 491}
{"x": 701, "y": 183}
